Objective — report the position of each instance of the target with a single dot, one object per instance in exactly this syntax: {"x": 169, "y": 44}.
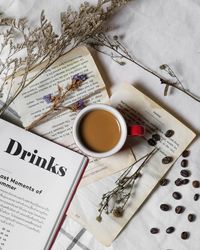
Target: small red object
{"x": 136, "y": 130}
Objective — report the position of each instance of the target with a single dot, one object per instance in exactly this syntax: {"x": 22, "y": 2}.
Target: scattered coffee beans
{"x": 196, "y": 197}
{"x": 191, "y": 217}
{"x": 185, "y": 235}
{"x": 167, "y": 159}
{"x": 196, "y": 184}
{"x": 178, "y": 182}
{"x": 184, "y": 163}
{"x": 179, "y": 209}
{"x": 156, "y": 137}
{"x": 185, "y": 173}
{"x": 165, "y": 207}
{"x": 164, "y": 182}
{"x": 177, "y": 195}
{"x": 169, "y": 133}
{"x": 151, "y": 142}
{"x": 170, "y": 230}
{"x": 154, "y": 230}
{"x": 185, "y": 153}
{"x": 185, "y": 181}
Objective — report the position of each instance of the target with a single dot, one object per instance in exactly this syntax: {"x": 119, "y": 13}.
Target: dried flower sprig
{"x": 26, "y": 47}
{"x": 115, "y": 200}
{"x": 58, "y": 100}
{"x": 112, "y": 47}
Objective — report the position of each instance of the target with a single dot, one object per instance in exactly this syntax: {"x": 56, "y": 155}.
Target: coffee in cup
{"x": 100, "y": 130}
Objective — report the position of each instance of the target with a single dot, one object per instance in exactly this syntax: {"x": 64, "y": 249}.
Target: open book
{"x": 38, "y": 179}
{"x": 30, "y": 105}
{"x": 136, "y": 108}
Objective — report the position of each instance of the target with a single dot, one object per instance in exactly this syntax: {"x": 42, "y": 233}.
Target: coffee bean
{"x": 185, "y": 173}
{"x": 186, "y": 153}
{"x": 154, "y": 230}
{"x": 167, "y": 159}
{"x": 164, "y": 182}
{"x": 191, "y": 217}
{"x": 169, "y": 133}
{"x": 185, "y": 181}
{"x": 177, "y": 195}
{"x": 152, "y": 142}
{"x": 165, "y": 207}
{"x": 184, "y": 163}
{"x": 156, "y": 137}
{"x": 185, "y": 235}
{"x": 196, "y": 184}
{"x": 196, "y": 197}
{"x": 170, "y": 230}
{"x": 178, "y": 182}
{"x": 179, "y": 209}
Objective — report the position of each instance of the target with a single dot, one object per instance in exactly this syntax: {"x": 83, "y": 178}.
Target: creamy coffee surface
{"x": 99, "y": 130}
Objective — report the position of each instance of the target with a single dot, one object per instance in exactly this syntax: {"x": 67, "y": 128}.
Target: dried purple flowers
{"x": 57, "y": 100}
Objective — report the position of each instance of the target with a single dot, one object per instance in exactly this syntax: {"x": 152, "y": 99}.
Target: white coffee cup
{"x": 123, "y": 130}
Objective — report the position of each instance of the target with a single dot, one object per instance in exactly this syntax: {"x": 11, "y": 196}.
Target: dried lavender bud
{"x": 196, "y": 184}
{"x": 196, "y": 197}
{"x": 154, "y": 230}
{"x": 164, "y": 182}
{"x": 156, "y": 137}
{"x": 184, "y": 163}
{"x": 177, "y": 195}
{"x": 152, "y": 142}
{"x": 185, "y": 173}
{"x": 169, "y": 133}
{"x": 178, "y": 182}
{"x": 47, "y": 98}
{"x": 165, "y": 207}
{"x": 191, "y": 217}
{"x": 185, "y": 235}
{"x": 170, "y": 230}
{"x": 185, "y": 153}
{"x": 167, "y": 159}
{"x": 179, "y": 209}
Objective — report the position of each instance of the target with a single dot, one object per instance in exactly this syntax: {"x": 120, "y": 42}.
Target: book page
{"x": 30, "y": 105}
{"x": 137, "y": 109}
{"x": 34, "y": 173}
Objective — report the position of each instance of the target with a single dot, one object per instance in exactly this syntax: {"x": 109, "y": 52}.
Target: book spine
{"x": 71, "y": 198}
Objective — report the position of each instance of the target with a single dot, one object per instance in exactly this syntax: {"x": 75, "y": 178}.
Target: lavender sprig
{"x": 56, "y": 101}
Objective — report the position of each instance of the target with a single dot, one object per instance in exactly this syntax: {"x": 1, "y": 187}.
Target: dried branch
{"x": 113, "y": 48}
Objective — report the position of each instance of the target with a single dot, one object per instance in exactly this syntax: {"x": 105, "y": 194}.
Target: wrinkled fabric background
{"x": 155, "y": 32}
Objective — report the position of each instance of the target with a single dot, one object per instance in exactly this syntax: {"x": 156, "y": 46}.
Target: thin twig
{"x": 114, "y": 45}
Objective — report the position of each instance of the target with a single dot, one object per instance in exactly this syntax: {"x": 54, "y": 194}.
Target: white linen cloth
{"x": 155, "y": 32}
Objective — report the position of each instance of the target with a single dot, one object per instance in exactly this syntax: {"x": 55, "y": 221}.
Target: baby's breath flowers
{"x": 115, "y": 201}
{"x": 58, "y": 100}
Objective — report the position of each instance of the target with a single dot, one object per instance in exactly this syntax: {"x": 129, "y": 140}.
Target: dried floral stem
{"x": 25, "y": 85}
{"x": 29, "y": 47}
{"x": 120, "y": 52}
{"x": 57, "y": 100}
{"x": 121, "y": 193}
